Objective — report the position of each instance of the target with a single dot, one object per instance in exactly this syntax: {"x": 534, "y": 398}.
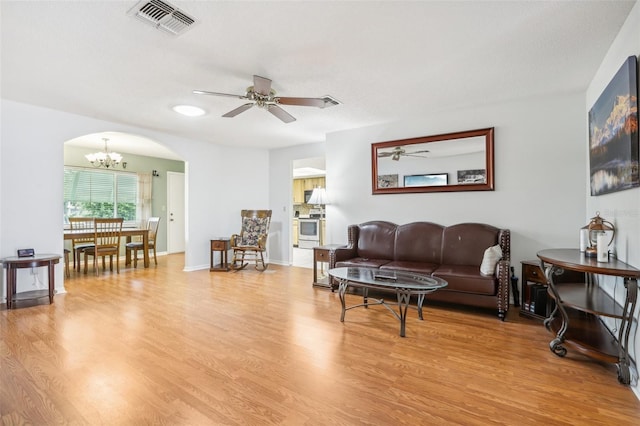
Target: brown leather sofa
{"x": 453, "y": 253}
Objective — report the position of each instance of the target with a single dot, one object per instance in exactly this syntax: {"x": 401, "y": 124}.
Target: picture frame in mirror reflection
{"x": 431, "y": 179}
{"x": 459, "y": 161}
{"x": 388, "y": 181}
{"x": 472, "y": 176}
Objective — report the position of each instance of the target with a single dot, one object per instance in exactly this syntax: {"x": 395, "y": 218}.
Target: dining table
{"x": 128, "y": 233}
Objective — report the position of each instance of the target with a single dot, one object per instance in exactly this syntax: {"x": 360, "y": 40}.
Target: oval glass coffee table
{"x": 404, "y": 284}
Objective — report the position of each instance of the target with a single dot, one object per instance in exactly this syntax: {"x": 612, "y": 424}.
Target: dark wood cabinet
{"x": 535, "y": 300}
{"x": 534, "y": 288}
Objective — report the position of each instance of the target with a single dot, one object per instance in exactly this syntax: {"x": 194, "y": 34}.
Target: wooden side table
{"x": 13, "y": 263}
{"x": 534, "y": 290}
{"x": 223, "y": 245}
{"x": 535, "y": 302}
{"x": 322, "y": 255}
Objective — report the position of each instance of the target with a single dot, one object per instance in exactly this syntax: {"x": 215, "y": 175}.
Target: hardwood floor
{"x": 162, "y": 346}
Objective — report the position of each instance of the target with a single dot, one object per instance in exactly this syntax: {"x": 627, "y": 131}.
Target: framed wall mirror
{"x": 461, "y": 161}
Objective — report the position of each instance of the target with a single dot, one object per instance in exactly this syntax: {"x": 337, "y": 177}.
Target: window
{"x": 100, "y": 193}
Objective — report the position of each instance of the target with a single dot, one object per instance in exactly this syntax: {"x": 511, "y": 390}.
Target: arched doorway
{"x": 140, "y": 156}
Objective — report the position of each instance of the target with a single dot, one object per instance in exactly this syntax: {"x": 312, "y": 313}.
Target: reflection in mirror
{"x": 461, "y": 161}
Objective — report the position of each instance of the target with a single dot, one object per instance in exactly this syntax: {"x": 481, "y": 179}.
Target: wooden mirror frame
{"x": 486, "y": 186}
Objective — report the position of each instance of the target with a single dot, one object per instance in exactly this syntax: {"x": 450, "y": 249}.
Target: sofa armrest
{"x": 504, "y": 239}
{"x": 350, "y": 250}
{"x": 503, "y": 277}
{"x": 342, "y": 253}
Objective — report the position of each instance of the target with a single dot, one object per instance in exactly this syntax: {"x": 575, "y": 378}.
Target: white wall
{"x": 539, "y": 168}
{"x": 31, "y": 182}
{"x": 281, "y": 197}
{"x": 539, "y": 174}
{"x": 221, "y": 181}
{"x": 621, "y": 208}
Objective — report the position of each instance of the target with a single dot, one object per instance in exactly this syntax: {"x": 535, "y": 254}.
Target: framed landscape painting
{"x": 613, "y": 133}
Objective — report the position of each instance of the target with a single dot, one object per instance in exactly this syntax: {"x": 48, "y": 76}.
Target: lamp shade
{"x": 318, "y": 196}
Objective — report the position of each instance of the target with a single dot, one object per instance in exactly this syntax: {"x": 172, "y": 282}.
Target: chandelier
{"x": 104, "y": 159}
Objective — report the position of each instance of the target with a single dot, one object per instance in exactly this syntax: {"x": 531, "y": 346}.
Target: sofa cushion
{"x": 360, "y": 262}
{"x": 419, "y": 242}
{"x": 376, "y": 240}
{"x": 418, "y": 267}
{"x": 466, "y": 279}
{"x": 465, "y": 243}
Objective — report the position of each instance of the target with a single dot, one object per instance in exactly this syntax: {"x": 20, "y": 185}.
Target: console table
{"x": 580, "y": 307}
{"x": 13, "y": 263}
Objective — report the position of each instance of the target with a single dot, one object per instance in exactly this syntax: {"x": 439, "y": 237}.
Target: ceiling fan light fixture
{"x": 265, "y": 97}
{"x": 189, "y": 110}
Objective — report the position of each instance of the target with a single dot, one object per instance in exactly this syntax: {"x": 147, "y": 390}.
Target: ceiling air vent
{"x": 163, "y": 16}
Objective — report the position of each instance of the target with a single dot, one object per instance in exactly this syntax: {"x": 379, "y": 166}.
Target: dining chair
{"x": 78, "y": 245}
{"x": 152, "y": 225}
{"x": 67, "y": 273}
{"x": 107, "y": 233}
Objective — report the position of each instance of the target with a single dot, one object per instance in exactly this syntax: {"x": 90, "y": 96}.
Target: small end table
{"x": 322, "y": 255}
{"x": 223, "y": 245}
{"x": 13, "y": 263}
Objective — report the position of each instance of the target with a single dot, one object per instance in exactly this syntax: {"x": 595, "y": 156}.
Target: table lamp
{"x": 597, "y": 226}
{"x": 319, "y": 198}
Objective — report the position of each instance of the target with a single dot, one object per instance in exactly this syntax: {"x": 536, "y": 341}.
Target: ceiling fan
{"x": 399, "y": 151}
{"x": 262, "y": 95}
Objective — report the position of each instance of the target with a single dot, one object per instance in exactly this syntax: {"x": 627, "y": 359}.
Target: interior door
{"x": 175, "y": 208}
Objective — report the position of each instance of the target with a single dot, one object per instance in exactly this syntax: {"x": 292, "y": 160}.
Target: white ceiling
{"x": 383, "y": 60}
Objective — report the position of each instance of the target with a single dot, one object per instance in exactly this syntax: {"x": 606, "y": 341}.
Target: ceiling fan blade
{"x": 312, "y": 102}
{"x": 324, "y": 102}
{"x": 281, "y": 114}
{"x": 395, "y": 152}
{"x": 261, "y": 85}
{"x": 238, "y": 110}
{"x": 204, "y": 92}
{"x": 422, "y": 151}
